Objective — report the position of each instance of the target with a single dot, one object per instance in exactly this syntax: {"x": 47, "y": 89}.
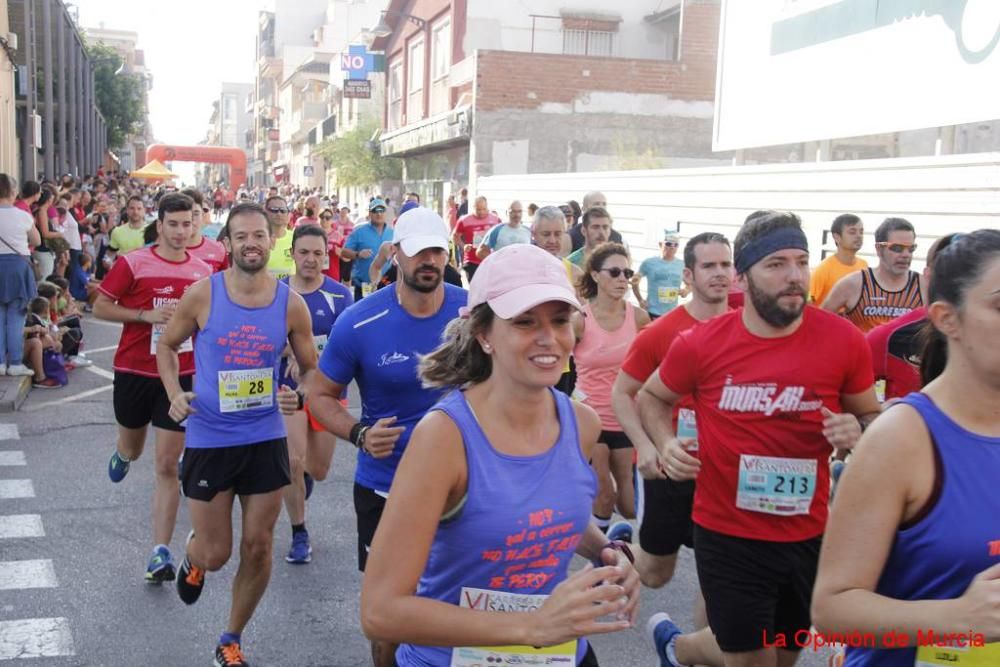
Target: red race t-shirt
{"x": 212, "y": 253}
{"x": 143, "y": 279}
{"x": 473, "y": 230}
{"x": 896, "y": 353}
{"x": 764, "y": 460}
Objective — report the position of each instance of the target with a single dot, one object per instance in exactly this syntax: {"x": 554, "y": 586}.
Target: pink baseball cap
{"x": 518, "y": 278}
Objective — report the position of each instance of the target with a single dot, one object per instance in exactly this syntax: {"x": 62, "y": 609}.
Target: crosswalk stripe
{"x": 12, "y": 458}
{"x": 35, "y": 638}
{"x": 21, "y": 525}
{"x": 22, "y": 574}
{"x": 9, "y": 432}
{"x": 16, "y": 488}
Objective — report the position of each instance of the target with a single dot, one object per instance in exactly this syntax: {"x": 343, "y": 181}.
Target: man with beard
{"x": 596, "y": 230}
{"x": 849, "y": 235}
{"x": 377, "y": 342}
{"x": 875, "y": 296}
{"x": 770, "y": 410}
{"x": 235, "y": 442}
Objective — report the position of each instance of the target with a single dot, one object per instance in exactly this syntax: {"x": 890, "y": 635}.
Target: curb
{"x": 13, "y": 392}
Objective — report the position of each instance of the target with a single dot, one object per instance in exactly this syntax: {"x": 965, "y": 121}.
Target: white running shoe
{"x": 80, "y": 361}
{"x": 19, "y": 370}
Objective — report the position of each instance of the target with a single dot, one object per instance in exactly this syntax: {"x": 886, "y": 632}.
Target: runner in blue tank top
{"x": 235, "y": 440}
{"x": 493, "y": 496}
{"x": 310, "y": 449}
{"x": 914, "y": 549}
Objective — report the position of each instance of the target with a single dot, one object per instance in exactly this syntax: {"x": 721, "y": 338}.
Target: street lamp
{"x": 383, "y": 29}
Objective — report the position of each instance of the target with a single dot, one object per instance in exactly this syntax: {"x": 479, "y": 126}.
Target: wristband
{"x": 302, "y": 401}
{"x": 355, "y": 434}
{"x": 617, "y": 545}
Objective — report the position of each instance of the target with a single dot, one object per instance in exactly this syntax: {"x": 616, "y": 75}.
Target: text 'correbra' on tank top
{"x": 511, "y": 542}
{"x": 878, "y": 305}
{"x": 236, "y": 360}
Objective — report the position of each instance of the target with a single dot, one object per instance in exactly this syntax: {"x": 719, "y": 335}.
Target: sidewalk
{"x": 13, "y": 391}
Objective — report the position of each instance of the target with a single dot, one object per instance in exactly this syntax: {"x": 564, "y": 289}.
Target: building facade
{"x": 8, "y": 65}
{"x": 480, "y": 88}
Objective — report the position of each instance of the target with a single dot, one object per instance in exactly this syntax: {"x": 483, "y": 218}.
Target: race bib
{"x": 367, "y": 289}
{"x": 484, "y": 656}
{"x": 320, "y": 342}
{"x": 956, "y": 656}
{"x": 477, "y": 237}
{"x": 246, "y": 389}
{"x": 667, "y": 294}
{"x": 772, "y": 485}
{"x": 158, "y": 330}
{"x": 880, "y": 390}
{"x": 687, "y": 427}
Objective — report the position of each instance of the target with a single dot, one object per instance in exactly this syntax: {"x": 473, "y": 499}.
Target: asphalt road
{"x": 78, "y": 589}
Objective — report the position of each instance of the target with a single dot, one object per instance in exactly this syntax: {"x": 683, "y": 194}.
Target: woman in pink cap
{"x": 494, "y": 492}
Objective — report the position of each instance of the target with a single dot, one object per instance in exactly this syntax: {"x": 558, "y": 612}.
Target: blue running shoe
{"x": 161, "y": 567}
{"x": 301, "y": 551}
{"x": 310, "y": 483}
{"x": 620, "y": 530}
{"x": 117, "y": 468}
{"x": 664, "y": 633}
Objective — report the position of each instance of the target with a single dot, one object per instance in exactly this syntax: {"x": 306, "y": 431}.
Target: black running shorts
{"x": 246, "y": 469}
{"x": 140, "y": 400}
{"x": 753, "y": 587}
{"x": 615, "y": 440}
{"x": 368, "y": 506}
{"x": 663, "y": 507}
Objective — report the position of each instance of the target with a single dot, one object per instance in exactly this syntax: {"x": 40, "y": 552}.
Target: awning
{"x": 153, "y": 171}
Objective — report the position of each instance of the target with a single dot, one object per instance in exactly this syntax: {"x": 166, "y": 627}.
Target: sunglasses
{"x": 326, "y": 217}
{"x": 671, "y": 244}
{"x": 278, "y": 210}
{"x": 378, "y": 210}
{"x": 898, "y": 247}
{"x": 614, "y": 272}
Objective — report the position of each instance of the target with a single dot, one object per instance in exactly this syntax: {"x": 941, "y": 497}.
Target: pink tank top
{"x": 599, "y": 356}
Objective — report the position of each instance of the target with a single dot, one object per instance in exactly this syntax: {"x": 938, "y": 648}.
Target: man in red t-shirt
{"x": 142, "y": 290}
{"x": 207, "y": 250}
{"x": 897, "y": 345}
{"x": 663, "y": 505}
{"x": 470, "y": 230}
{"x": 770, "y": 411}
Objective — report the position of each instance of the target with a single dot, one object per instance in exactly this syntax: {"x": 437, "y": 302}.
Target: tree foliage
{"x": 119, "y": 95}
{"x": 356, "y": 160}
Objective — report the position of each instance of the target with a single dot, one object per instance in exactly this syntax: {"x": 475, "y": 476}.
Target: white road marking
{"x": 16, "y": 488}
{"x": 97, "y": 370}
{"x": 21, "y": 574}
{"x": 21, "y": 525}
{"x": 12, "y": 458}
{"x": 9, "y": 432}
{"x": 68, "y": 399}
{"x": 35, "y": 638}
{"x": 95, "y": 350}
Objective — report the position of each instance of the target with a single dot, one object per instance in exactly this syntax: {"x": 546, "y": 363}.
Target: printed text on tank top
{"x": 877, "y": 305}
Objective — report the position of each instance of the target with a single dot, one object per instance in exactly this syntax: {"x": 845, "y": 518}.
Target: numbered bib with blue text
{"x": 774, "y": 485}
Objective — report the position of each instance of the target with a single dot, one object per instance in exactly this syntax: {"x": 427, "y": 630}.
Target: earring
{"x": 487, "y": 348}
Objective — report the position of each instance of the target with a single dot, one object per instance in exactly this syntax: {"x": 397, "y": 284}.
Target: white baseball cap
{"x": 419, "y": 229}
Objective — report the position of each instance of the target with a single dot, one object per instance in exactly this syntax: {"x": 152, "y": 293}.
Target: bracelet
{"x": 355, "y": 434}
{"x": 302, "y": 400}
{"x": 618, "y": 545}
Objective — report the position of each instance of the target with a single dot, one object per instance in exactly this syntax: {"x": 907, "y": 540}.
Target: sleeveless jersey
{"x": 325, "y": 305}
{"x": 511, "y": 542}
{"x": 236, "y": 358}
{"x": 599, "y": 355}
{"x": 937, "y": 558}
{"x": 878, "y": 305}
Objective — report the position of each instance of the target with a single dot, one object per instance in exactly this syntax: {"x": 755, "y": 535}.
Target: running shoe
{"x": 230, "y": 655}
{"x": 47, "y": 383}
{"x": 191, "y": 581}
{"x": 301, "y": 551}
{"x": 19, "y": 370}
{"x": 664, "y": 633}
{"x": 79, "y": 361}
{"x": 161, "y": 567}
{"x": 117, "y": 468}
{"x": 620, "y": 530}
{"x": 310, "y": 483}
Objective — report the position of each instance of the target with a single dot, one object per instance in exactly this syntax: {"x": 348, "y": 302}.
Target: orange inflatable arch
{"x": 234, "y": 157}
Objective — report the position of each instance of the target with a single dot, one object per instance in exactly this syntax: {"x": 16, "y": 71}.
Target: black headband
{"x": 783, "y": 238}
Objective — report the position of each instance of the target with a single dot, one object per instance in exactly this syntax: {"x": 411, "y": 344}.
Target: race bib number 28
{"x": 246, "y": 389}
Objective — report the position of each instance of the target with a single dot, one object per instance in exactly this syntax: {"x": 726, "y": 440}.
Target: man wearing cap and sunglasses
{"x": 378, "y": 342}
{"x": 363, "y": 244}
{"x": 664, "y": 278}
{"x": 280, "y": 264}
{"x": 875, "y": 296}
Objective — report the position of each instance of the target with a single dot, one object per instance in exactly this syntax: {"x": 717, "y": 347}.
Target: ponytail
{"x": 459, "y": 360}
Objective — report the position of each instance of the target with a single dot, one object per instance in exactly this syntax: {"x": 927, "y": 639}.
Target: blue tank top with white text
{"x": 937, "y": 558}
{"x": 518, "y": 529}
{"x": 236, "y": 359}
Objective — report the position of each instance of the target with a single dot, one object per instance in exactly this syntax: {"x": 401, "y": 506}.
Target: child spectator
{"x": 39, "y": 343}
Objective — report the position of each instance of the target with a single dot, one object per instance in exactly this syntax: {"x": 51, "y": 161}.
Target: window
{"x": 440, "y": 50}
{"x": 415, "y": 82}
{"x": 589, "y": 37}
{"x": 396, "y": 95}
{"x": 229, "y": 109}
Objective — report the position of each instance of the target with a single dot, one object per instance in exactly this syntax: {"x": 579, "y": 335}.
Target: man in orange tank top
{"x": 875, "y": 296}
